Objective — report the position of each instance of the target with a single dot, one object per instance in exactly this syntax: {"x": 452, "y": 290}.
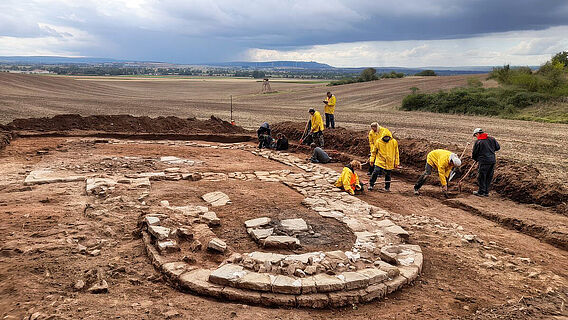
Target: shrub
{"x": 428, "y": 73}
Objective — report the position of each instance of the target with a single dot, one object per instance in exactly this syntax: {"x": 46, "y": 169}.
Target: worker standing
{"x": 317, "y": 127}
{"x": 348, "y": 180}
{"x": 443, "y": 161}
{"x": 484, "y": 154}
{"x": 329, "y": 110}
{"x": 386, "y": 159}
{"x": 377, "y": 132}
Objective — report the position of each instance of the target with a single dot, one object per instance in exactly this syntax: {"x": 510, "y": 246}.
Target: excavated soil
{"x": 519, "y": 182}
{"x": 500, "y": 274}
{"x": 124, "y": 123}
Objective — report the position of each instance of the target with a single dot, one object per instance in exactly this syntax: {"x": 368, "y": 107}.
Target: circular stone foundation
{"x": 181, "y": 242}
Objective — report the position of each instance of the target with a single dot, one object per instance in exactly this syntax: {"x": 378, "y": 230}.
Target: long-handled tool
{"x": 305, "y": 134}
{"x": 465, "y": 176}
{"x": 453, "y": 172}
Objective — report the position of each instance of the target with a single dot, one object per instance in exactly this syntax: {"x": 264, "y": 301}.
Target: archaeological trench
{"x": 182, "y": 240}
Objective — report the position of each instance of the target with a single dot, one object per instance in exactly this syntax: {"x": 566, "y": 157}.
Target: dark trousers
{"x": 318, "y": 138}
{"x": 330, "y": 120}
{"x": 484, "y": 177}
{"x": 377, "y": 172}
{"x": 371, "y": 169}
{"x": 427, "y": 171}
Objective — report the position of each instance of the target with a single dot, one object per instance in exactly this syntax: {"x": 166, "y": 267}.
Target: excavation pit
{"x": 190, "y": 201}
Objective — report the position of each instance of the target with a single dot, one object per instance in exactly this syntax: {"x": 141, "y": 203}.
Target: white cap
{"x": 455, "y": 160}
{"x": 477, "y": 130}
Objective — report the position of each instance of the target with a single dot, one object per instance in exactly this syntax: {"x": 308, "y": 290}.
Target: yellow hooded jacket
{"x": 330, "y": 106}
{"x": 374, "y": 137}
{"x": 440, "y": 159}
{"x": 347, "y": 180}
{"x": 317, "y": 122}
{"x": 386, "y": 154}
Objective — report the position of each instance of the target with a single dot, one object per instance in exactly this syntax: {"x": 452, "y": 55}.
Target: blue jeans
{"x": 330, "y": 120}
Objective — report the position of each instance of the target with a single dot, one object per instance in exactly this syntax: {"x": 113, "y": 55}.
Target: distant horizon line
{"x": 103, "y": 59}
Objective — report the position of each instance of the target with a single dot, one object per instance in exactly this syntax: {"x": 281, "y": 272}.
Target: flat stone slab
{"x": 255, "y": 281}
{"x": 211, "y": 219}
{"x": 176, "y": 160}
{"x": 354, "y": 280}
{"x": 374, "y": 275}
{"x": 227, "y": 274}
{"x": 327, "y": 283}
{"x": 48, "y": 176}
{"x": 167, "y": 246}
{"x": 150, "y": 221}
{"x": 217, "y": 244}
{"x": 262, "y": 257}
{"x": 257, "y": 223}
{"x": 94, "y": 184}
{"x": 216, "y": 198}
{"x": 397, "y": 230}
{"x": 294, "y": 225}
{"x": 280, "y": 242}
{"x": 284, "y": 284}
{"x": 160, "y": 233}
{"x": 259, "y": 234}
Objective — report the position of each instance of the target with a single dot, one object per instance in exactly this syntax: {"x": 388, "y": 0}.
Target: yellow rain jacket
{"x": 440, "y": 159}
{"x": 347, "y": 180}
{"x": 374, "y": 137}
{"x": 386, "y": 154}
{"x": 317, "y": 122}
{"x": 330, "y": 106}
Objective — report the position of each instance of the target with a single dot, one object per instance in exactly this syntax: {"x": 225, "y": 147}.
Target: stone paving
{"x": 378, "y": 263}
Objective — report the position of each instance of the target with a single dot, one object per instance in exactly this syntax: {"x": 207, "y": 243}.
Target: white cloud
{"x": 517, "y": 48}
{"x": 54, "y": 41}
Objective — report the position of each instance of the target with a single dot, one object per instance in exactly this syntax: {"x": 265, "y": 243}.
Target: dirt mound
{"x": 521, "y": 183}
{"x": 5, "y": 138}
{"x": 124, "y": 123}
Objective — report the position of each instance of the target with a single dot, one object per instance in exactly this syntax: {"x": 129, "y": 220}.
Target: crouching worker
{"x": 444, "y": 161}
{"x": 348, "y": 180}
{"x": 384, "y": 159}
{"x": 281, "y": 142}
{"x": 318, "y": 155}
{"x": 264, "y": 138}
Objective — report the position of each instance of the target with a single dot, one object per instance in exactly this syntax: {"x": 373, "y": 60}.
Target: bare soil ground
{"x": 541, "y": 144}
{"x": 514, "y": 269}
{"x": 503, "y": 274}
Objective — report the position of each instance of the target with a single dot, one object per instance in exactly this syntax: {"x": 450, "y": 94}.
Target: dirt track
{"x": 502, "y": 274}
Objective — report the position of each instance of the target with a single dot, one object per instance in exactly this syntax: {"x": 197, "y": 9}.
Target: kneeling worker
{"x": 318, "y": 155}
{"x": 348, "y": 180}
{"x": 384, "y": 158}
{"x": 443, "y": 161}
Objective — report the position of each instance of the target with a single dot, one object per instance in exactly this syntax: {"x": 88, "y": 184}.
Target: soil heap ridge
{"x": 518, "y": 182}
{"x": 124, "y": 123}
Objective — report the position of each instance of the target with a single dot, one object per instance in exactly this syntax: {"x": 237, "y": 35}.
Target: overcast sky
{"x": 408, "y": 33}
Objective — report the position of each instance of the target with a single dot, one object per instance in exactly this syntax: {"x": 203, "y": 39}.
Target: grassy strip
{"x": 509, "y": 103}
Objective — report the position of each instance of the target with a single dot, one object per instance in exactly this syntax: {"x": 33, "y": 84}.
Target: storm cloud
{"x": 205, "y": 31}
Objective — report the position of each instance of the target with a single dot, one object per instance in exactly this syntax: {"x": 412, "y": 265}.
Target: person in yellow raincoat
{"x": 329, "y": 110}
{"x": 349, "y": 180}
{"x": 444, "y": 161}
{"x": 386, "y": 158}
{"x": 376, "y": 133}
{"x": 317, "y": 127}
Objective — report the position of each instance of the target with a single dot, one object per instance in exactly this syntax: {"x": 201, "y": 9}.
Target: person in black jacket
{"x": 281, "y": 142}
{"x": 484, "y": 154}
{"x": 264, "y": 138}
